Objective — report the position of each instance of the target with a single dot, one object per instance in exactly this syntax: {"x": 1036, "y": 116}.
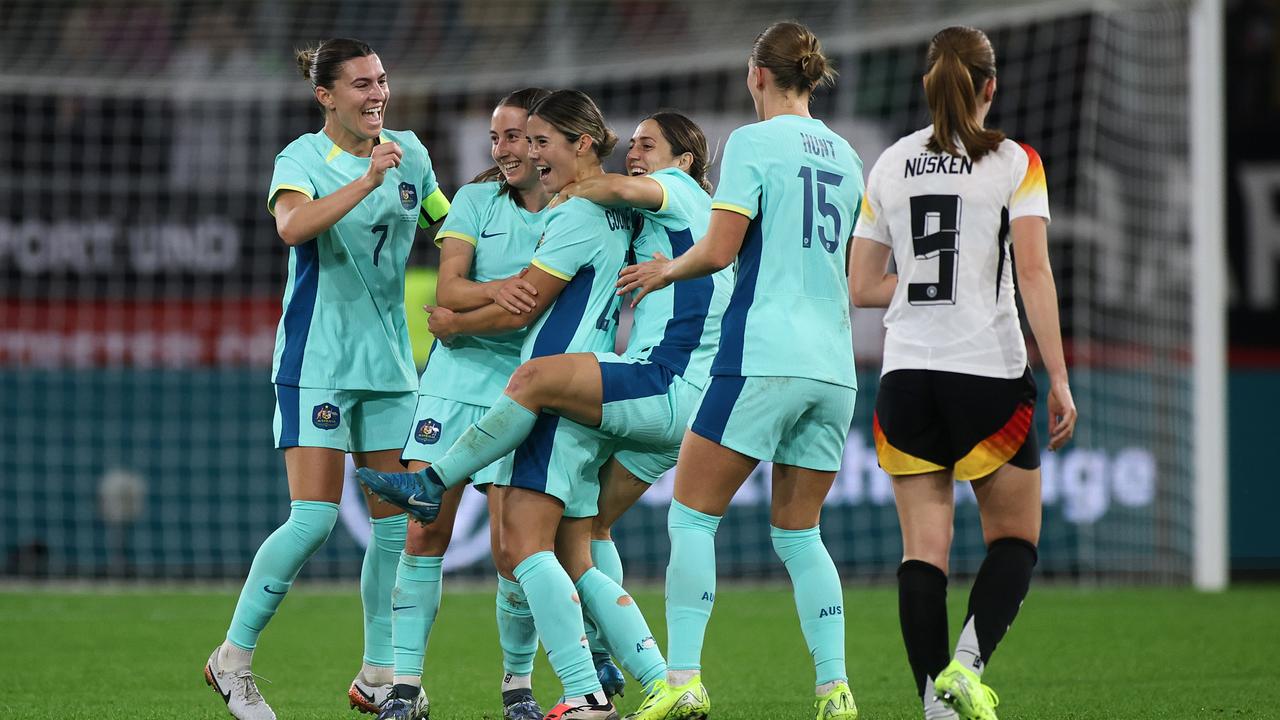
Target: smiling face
{"x": 510, "y": 146}
{"x": 650, "y": 152}
{"x": 553, "y": 156}
{"x": 357, "y": 102}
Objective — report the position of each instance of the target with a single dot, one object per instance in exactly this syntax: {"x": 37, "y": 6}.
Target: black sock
{"x": 922, "y": 610}
{"x": 404, "y": 691}
{"x": 997, "y": 594}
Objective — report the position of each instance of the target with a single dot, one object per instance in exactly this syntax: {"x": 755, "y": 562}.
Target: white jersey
{"x": 947, "y": 219}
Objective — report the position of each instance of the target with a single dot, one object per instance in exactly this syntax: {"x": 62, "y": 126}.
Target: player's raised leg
{"x": 567, "y": 384}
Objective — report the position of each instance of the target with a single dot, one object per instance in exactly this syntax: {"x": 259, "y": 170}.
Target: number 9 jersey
{"x": 947, "y": 219}
{"x": 800, "y": 185}
{"x": 343, "y": 325}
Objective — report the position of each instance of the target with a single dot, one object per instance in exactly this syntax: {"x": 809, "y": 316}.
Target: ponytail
{"x": 961, "y": 62}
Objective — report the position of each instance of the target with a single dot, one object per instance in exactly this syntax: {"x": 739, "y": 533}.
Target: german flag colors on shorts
{"x": 929, "y": 420}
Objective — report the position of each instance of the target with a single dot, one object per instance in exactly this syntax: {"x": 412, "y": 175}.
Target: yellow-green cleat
{"x": 962, "y": 690}
{"x": 681, "y": 702}
{"x": 837, "y": 704}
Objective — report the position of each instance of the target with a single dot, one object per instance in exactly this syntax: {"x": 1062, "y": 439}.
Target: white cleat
{"x": 238, "y": 690}
{"x": 367, "y": 697}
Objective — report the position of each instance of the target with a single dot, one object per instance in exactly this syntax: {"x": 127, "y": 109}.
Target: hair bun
{"x": 306, "y": 59}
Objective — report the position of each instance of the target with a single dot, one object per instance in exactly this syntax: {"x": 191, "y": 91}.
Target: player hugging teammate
{"x": 741, "y": 352}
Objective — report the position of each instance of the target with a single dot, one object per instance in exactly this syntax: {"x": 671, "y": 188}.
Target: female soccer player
{"x": 782, "y": 383}
{"x": 956, "y": 396}
{"x": 488, "y": 238}
{"x": 554, "y": 471}
{"x": 347, "y": 200}
{"x": 641, "y": 401}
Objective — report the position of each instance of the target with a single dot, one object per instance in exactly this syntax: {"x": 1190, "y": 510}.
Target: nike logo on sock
{"x": 402, "y": 607}
{"x": 274, "y": 592}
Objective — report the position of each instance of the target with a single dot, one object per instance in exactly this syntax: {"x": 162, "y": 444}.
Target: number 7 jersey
{"x": 947, "y": 219}
{"x": 800, "y": 185}
{"x": 343, "y": 325}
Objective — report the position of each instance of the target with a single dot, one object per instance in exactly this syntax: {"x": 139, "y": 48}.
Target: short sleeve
{"x": 435, "y": 206}
{"x": 871, "y": 224}
{"x": 289, "y": 175}
{"x": 463, "y": 220}
{"x": 675, "y": 212}
{"x": 569, "y": 240}
{"x": 741, "y": 176}
{"x": 1030, "y": 194}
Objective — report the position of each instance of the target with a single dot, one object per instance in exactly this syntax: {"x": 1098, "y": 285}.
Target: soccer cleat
{"x": 398, "y": 708}
{"x": 565, "y": 711}
{"x": 368, "y": 698}
{"x": 837, "y": 704}
{"x": 684, "y": 702}
{"x": 414, "y": 492}
{"x": 238, "y": 690}
{"x": 519, "y": 704}
{"x": 962, "y": 690}
{"x": 611, "y": 679}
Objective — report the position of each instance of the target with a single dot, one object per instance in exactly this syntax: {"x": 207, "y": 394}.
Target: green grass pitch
{"x": 1074, "y": 654}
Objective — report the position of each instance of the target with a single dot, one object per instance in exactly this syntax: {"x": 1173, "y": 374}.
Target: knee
{"x": 524, "y": 381}
{"x": 507, "y": 555}
{"x": 932, "y": 545}
{"x": 427, "y": 541}
{"x": 311, "y": 523}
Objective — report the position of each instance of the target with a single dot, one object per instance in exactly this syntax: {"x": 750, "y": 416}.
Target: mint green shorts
{"x": 438, "y": 424}
{"x": 346, "y": 420}
{"x": 562, "y": 459}
{"x": 646, "y": 408}
{"x": 792, "y": 421}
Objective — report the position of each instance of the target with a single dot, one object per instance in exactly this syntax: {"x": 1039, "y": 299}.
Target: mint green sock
{"x": 691, "y": 584}
{"x": 819, "y": 599}
{"x": 415, "y": 602}
{"x": 625, "y": 631}
{"x": 558, "y": 617}
{"x": 377, "y": 580}
{"x": 516, "y": 632}
{"x": 497, "y": 433}
{"x": 604, "y": 555}
{"x": 275, "y": 565}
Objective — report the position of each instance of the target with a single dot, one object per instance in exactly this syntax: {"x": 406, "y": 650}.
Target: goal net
{"x": 142, "y": 275}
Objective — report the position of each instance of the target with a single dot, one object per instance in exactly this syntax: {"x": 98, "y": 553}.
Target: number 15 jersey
{"x": 947, "y": 219}
{"x": 800, "y": 185}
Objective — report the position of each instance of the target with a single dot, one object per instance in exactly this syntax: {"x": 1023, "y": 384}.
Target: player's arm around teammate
{"x": 347, "y": 201}
{"x": 956, "y": 398}
{"x": 783, "y": 382}
{"x": 553, "y": 477}
{"x": 489, "y": 237}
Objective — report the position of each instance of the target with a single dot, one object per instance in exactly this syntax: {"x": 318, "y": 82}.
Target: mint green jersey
{"x": 801, "y": 186}
{"x": 343, "y": 325}
{"x": 585, "y": 245}
{"x": 678, "y": 326}
{"x": 475, "y": 369}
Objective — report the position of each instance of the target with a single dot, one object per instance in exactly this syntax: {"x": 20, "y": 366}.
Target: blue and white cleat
{"x": 519, "y": 704}
{"x": 398, "y": 708}
{"x": 611, "y": 678}
{"x": 417, "y": 493}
